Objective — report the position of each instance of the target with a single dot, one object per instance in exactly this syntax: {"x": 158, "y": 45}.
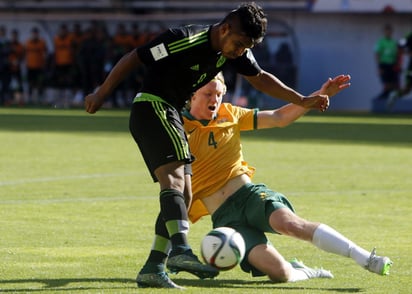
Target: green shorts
{"x": 248, "y": 211}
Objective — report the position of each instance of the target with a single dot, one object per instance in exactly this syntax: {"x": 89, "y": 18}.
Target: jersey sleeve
{"x": 246, "y": 64}
{"x": 157, "y": 49}
{"x": 247, "y": 118}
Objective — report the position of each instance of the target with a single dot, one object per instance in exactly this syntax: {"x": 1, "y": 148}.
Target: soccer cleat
{"x": 310, "y": 272}
{"x": 188, "y": 262}
{"x": 378, "y": 264}
{"x": 156, "y": 280}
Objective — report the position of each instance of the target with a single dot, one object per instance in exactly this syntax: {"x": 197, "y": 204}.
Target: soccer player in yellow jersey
{"x": 222, "y": 186}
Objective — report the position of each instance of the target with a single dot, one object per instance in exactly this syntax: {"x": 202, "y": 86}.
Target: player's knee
{"x": 279, "y": 274}
{"x": 171, "y": 176}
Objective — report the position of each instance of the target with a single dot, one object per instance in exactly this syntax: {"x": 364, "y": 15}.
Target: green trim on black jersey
{"x": 148, "y": 98}
{"x": 181, "y": 147}
{"x": 188, "y": 42}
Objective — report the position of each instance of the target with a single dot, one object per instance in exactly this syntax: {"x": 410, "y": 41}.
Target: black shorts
{"x": 35, "y": 76}
{"x": 157, "y": 128}
{"x": 63, "y": 76}
{"x": 388, "y": 73}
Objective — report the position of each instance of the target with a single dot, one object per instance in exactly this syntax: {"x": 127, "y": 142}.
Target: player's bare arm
{"x": 287, "y": 114}
{"x": 120, "y": 71}
{"x": 272, "y": 86}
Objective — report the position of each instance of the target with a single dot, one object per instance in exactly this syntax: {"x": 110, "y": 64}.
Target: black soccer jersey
{"x": 182, "y": 60}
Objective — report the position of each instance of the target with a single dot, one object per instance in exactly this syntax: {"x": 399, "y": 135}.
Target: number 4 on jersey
{"x": 211, "y": 141}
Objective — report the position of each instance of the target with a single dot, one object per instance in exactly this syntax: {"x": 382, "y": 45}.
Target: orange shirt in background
{"x": 123, "y": 43}
{"x": 16, "y": 56}
{"x": 63, "y": 50}
{"x": 36, "y": 54}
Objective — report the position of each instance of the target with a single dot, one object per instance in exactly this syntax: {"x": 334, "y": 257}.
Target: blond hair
{"x": 219, "y": 77}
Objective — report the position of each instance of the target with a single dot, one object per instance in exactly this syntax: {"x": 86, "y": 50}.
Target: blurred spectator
{"x": 78, "y": 38}
{"x": 251, "y": 96}
{"x": 284, "y": 65}
{"x": 63, "y": 66}
{"x": 92, "y": 57}
{"x": 406, "y": 46}
{"x": 36, "y": 62}
{"x": 78, "y": 61}
{"x": 5, "y": 76}
{"x": 138, "y": 39}
{"x": 387, "y": 59}
{"x": 16, "y": 58}
{"x": 262, "y": 54}
{"x": 122, "y": 42}
{"x": 284, "y": 54}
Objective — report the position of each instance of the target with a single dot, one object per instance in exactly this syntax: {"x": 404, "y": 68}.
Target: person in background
{"x": 405, "y": 45}
{"x": 121, "y": 43}
{"x": 63, "y": 66}
{"x": 16, "y": 58}
{"x": 387, "y": 61}
{"x": 93, "y": 56}
{"x": 139, "y": 38}
{"x": 5, "y": 77}
{"x": 78, "y": 37}
{"x": 36, "y": 64}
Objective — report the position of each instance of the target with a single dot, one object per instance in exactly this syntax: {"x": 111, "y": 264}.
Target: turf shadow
{"x": 62, "y": 284}
{"x": 258, "y": 284}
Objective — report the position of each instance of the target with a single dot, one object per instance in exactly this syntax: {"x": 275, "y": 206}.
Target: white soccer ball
{"x": 223, "y": 248}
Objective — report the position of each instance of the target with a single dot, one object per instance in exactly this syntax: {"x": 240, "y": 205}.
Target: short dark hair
{"x": 252, "y": 20}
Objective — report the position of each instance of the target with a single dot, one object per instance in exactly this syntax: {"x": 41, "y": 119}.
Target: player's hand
{"x": 93, "y": 102}
{"x": 319, "y": 101}
{"x": 333, "y": 86}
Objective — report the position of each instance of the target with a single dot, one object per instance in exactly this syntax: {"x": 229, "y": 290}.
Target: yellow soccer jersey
{"x": 218, "y": 151}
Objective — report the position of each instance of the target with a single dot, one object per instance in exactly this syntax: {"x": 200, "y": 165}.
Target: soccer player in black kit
{"x": 177, "y": 63}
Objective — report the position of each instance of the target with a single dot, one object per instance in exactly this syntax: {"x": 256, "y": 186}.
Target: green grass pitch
{"x": 77, "y": 206}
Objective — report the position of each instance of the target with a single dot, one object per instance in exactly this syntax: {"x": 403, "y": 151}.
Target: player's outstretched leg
{"x": 378, "y": 264}
{"x": 189, "y": 262}
{"x": 329, "y": 240}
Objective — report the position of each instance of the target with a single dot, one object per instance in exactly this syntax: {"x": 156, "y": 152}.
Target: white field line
{"x": 67, "y": 200}
{"x": 63, "y": 178}
{"x": 155, "y": 197}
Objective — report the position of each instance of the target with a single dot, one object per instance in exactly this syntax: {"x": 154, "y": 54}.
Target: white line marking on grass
{"x": 63, "y": 178}
{"x": 155, "y": 197}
